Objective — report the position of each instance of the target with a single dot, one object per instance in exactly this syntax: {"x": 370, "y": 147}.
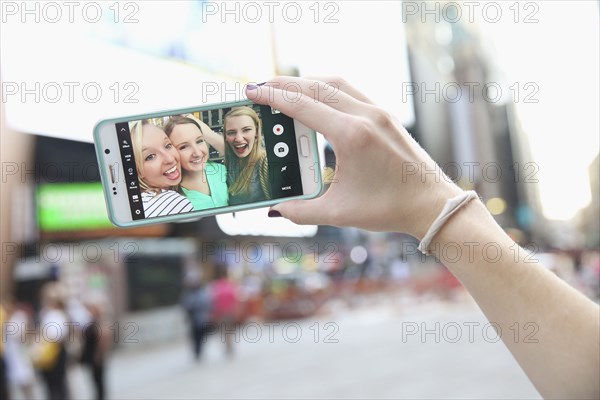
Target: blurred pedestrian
{"x": 21, "y": 374}
{"x": 95, "y": 346}
{"x": 225, "y": 306}
{"x": 51, "y": 353}
{"x": 197, "y": 303}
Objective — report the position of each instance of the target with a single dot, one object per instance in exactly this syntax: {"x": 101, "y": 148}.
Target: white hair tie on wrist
{"x": 452, "y": 205}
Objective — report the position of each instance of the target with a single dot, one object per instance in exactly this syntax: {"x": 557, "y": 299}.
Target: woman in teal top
{"x": 216, "y": 175}
{"x": 204, "y": 183}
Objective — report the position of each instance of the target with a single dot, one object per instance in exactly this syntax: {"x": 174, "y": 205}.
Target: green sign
{"x": 71, "y": 206}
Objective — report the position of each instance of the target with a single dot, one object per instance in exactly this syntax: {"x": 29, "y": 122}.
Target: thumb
{"x": 301, "y": 212}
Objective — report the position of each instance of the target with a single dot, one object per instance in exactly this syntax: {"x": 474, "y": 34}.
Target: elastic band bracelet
{"x": 452, "y": 205}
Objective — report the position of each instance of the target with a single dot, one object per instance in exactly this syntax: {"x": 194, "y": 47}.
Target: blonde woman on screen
{"x": 245, "y": 157}
{"x": 159, "y": 171}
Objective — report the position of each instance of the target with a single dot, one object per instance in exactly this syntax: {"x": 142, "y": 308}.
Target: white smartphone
{"x": 185, "y": 164}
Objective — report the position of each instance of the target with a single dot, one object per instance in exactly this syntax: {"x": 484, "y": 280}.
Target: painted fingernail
{"x": 252, "y": 86}
{"x": 274, "y": 214}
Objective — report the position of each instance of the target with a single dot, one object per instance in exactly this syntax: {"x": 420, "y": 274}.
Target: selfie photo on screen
{"x": 210, "y": 159}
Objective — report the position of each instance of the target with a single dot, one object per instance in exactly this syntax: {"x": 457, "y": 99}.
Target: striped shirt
{"x": 166, "y": 202}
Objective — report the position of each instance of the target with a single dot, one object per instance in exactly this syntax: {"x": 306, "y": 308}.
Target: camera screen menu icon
{"x": 281, "y": 149}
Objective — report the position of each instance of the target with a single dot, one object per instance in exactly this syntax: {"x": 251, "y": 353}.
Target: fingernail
{"x": 252, "y": 86}
{"x": 274, "y": 214}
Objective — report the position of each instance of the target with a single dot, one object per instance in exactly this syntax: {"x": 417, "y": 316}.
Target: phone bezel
{"x": 119, "y": 210}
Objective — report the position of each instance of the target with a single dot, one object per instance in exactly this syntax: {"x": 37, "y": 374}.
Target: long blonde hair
{"x": 249, "y": 163}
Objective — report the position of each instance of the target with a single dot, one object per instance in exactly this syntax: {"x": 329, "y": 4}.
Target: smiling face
{"x": 189, "y": 142}
{"x": 240, "y": 133}
{"x": 160, "y": 160}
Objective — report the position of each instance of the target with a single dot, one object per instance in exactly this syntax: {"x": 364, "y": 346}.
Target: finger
{"x": 325, "y": 92}
{"x": 314, "y": 114}
{"x": 303, "y": 212}
{"x": 344, "y": 86}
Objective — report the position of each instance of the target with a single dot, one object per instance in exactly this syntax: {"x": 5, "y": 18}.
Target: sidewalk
{"x": 367, "y": 352}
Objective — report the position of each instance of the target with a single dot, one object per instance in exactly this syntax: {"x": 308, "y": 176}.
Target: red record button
{"x": 278, "y": 129}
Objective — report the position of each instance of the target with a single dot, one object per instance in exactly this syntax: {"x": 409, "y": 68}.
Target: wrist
{"x": 431, "y": 205}
{"x": 471, "y": 225}
{"x": 452, "y": 206}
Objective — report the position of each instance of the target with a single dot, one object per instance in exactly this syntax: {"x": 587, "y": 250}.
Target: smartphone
{"x": 184, "y": 164}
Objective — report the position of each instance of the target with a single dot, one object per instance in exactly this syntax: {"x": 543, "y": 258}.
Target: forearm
{"x": 530, "y": 304}
{"x": 401, "y": 197}
{"x": 213, "y": 138}
{"x": 216, "y": 141}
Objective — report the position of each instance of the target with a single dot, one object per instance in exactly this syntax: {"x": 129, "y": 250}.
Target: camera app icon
{"x": 281, "y": 149}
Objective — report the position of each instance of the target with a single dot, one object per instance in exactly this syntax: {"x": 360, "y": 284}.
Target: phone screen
{"x": 208, "y": 159}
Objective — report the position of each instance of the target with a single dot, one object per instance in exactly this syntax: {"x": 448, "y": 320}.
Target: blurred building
{"x": 64, "y": 235}
{"x": 464, "y": 122}
{"x": 15, "y": 151}
{"x": 52, "y": 205}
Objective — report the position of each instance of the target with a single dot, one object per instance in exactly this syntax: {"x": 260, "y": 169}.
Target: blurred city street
{"x": 370, "y": 360}
{"x": 496, "y": 102}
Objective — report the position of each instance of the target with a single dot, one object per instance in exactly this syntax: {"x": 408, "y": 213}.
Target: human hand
{"x": 202, "y": 124}
{"x": 380, "y": 182}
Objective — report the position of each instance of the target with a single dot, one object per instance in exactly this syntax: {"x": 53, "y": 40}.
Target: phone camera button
{"x": 281, "y": 149}
{"x": 278, "y": 129}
